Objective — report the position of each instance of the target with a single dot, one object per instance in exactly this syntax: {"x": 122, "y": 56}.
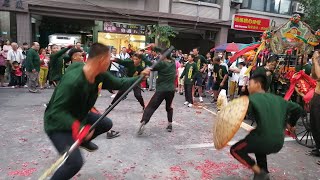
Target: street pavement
{"x": 185, "y": 153}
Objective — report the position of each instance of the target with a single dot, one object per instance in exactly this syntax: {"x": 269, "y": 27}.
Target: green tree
{"x": 312, "y": 15}
{"x": 162, "y": 34}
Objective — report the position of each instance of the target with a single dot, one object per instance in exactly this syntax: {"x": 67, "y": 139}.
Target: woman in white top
{"x": 6, "y": 49}
{"x": 243, "y": 79}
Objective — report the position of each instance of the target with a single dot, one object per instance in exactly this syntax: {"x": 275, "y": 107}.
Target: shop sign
{"x": 124, "y": 28}
{"x": 14, "y": 5}
{"x": 247, "y": 23}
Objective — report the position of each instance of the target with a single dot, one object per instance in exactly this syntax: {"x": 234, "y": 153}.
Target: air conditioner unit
{"x": 298, "y": 8}
{"x": 237, "y": 1}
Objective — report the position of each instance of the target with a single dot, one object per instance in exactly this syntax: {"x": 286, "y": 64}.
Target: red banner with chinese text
{"x": 247, "y": 23}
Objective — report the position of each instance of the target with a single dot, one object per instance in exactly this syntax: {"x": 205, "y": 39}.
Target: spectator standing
{"x": 2, "y": 67}
{"x": 14, "y": 56}
{"x": 114, "y": 67}
{"x": 25, "y": 48}
{"x": 33, "y": 67}
{"x": 6, "y": 47}
{"x": 123, "y": 54}
{"x": 44, "y": 67}
{"x": 153, "y": 74}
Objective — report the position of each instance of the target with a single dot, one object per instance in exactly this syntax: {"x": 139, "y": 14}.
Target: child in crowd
{"x": 17, "y": 74}
{"x": 181, "y": 81}
{"x": 189, "y": 73}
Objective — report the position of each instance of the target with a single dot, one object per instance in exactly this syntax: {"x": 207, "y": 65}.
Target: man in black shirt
{"x": 201, "y": 75}
{"x": 220, "y": 77}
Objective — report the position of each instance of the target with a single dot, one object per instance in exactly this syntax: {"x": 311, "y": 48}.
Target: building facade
{"x": 204, "y": 23}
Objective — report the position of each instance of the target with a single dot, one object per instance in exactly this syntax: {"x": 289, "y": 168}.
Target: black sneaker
{"x": 262, "y": 176}
{"x": 89, "y": 146}
{"x": 169, "y": 128}
{"x": 315, "y": 153}
{"x": 181, "y": 93}
{"x": 112, "y": 134}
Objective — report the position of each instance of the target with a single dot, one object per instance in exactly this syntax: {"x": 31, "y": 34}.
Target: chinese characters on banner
{"x": 247, "y": 23}
{"x": 124, "y": 28}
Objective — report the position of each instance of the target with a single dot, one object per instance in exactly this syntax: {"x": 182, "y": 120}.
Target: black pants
{"x": 241, "y": 150}
{"x": 155, "y": 102}
{"x": 188, "y": 92}
{"x": 63, "y": 140}
{"x": 315, "y": 119}
{"x": 137, "y": 95}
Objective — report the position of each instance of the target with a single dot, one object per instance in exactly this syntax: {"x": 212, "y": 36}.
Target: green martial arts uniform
{"x": 57, "y": 65}
{"x": 271, "y": 113}
{"x": 190, "y": 71}
{"x": 306, "y": 68}
{"x": 166, "y": 75}
{"x": 32, "y": 61}
{"x": 73, "y": 98}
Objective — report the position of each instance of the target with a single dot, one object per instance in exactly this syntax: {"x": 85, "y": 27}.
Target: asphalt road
{"x": 185, "y": 153}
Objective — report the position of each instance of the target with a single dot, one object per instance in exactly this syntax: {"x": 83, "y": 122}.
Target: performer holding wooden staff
{"x": 70, "y": 105}
{"x": 165, "y": 91}
{"x": 134, "y": 68}
{"x": 270, "y": 112}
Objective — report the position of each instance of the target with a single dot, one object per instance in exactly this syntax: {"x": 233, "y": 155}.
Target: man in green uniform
{"x": 306, "y": 66}
{"x": 70, "y": 105}
{"x": 33, "y": 67}
{"x": 189, "y": 73}
{"x": 220, "y": 77}
{"x": 201, "y": 67}
{"x": 165, "y": 91}
{"x": 57, "y": 63}
{"x": 267, "y": 70}
{"x": 270, "y": 112}
{"x": 134, "y": 67}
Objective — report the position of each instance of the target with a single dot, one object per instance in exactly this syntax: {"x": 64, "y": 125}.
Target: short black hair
{"x": 192, "y": 55}
{"x": 73, "y": 51}
{"x": 272, "y": 58}
{"x": 140, "y": 56}
{"x": 217, "y": 59}
{"x": 25, "y": 43}
{"x": 197, "y": 48}
{"x": 98, "y": 49}
{"x": 260, "y": 78}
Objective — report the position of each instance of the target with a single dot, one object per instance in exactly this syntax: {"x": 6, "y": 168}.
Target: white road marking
{"x": 244, "y": 125}
{"x": 211, "y": 145}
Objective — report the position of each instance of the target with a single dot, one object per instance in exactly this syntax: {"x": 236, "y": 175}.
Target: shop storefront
{"x": 120, "y": 35}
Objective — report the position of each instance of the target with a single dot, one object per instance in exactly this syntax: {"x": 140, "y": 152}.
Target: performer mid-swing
{"x": 70, "y": 106}
{"x": 270, "y": 112}
{"x": 134, "y": 66}
{"x": 165, "y": 91}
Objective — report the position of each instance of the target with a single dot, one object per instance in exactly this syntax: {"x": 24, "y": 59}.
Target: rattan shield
{"x": 228, "y": 121}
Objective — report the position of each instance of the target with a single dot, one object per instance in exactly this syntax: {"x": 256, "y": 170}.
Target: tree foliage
{"x": 163, "y": 34}
{"x": 312, "y": 15}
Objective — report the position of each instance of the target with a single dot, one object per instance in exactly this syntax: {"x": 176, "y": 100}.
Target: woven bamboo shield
{"x": 229, "y": 120}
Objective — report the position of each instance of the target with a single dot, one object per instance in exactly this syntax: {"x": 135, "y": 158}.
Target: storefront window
{"x": 122, "y": 40}
{"x": 273, "y": 6}
{"x": 8, "y": 26}
{"x": 209, "y": 1}
{"x": 285, "y": 7}
{"x": 258, "y": 5}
